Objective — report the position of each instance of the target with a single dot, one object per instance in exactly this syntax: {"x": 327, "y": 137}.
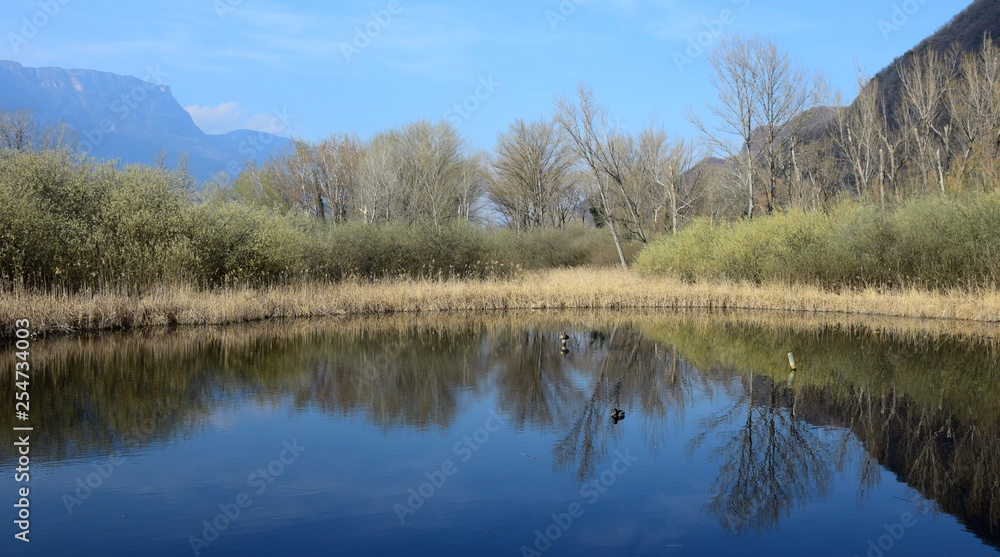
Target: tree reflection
{"x": 923, "y": 407}
{"x": 771, "y": 463}
{"x": 920, "y": 405}
{"x": 533, "y": 379}
{"x": 633, "y": 374}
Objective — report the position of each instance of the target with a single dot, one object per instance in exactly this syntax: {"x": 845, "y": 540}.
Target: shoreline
{"x": 593, "y": 289}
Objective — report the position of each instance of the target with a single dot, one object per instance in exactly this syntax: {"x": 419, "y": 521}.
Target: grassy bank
{"x": 569, "y": 288}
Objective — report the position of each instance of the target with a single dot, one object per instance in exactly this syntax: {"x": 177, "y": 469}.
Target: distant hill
{"x": 126, "y": 118}
{"x": 966, "y": 31}
{"x": 811, "y": 125}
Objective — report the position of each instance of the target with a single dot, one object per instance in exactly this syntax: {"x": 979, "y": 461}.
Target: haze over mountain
{"x": 130, "y": 119}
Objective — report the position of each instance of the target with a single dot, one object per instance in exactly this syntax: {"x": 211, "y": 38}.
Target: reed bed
{"x": 581, "y": 288}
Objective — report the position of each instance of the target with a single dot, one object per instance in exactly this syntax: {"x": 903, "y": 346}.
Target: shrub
{"x": 935, "y": 242}
{"x": 232, "y": 243}
{"x": 687, "y": 254}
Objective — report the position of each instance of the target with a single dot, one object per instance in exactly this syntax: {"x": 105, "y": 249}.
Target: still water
{"x": 488, "y": 435}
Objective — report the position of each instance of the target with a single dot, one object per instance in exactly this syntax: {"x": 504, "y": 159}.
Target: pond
{"x": 489, "y": 435}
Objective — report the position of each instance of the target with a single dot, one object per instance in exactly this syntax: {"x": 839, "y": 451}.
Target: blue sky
{"x": 234, "y": 62}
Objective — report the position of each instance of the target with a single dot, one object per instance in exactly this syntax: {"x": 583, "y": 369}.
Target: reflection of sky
{"x": 337, "y": 497}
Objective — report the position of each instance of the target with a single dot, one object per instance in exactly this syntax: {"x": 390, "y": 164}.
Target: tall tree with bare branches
{"x": 760, "y": 94}
{"x": 530, "y": 184}
{"x": 602, "y": 149}
{"x": 379, "y": 196}
{"x": 858, "y": 138}
{"x": 336, "y": 163}
{"x": 973, "y": 104}
{"x": 738, "y": 113}
{"x": 924, "y": 118}
{"x": 667, "y": 181}
{"x": 18, "y": 130}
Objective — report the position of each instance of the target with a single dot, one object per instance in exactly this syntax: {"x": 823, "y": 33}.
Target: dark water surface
{"x": 478, "y": 436}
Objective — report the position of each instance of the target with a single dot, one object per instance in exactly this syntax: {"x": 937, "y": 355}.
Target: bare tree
{"x": 923, "y": 116}
{"x": 530, "y": 182}
{"x": 762, "y": 94}
{"x": 734, "y": 77}
{"x": 422, "y": 171}
{"x": 785, "y": 93}
{"x": 379, "y": 195}
{"x": 894, "y": 154}
{"x": 859, "y": 141}
{"x": 336, "y": 165}
{"x": 21, "y": 131}
{"x": 18, "y": 130}
{"x": 668, "y": 180}
{"x": 973, "y": 104}
{"x": 604, "y": 151}
{"x": 473, "y": 186}
{"x": 442, "y": 179}
{"x": 298, "y": 178}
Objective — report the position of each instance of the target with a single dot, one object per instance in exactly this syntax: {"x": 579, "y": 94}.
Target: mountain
{"x": 966, "y": 31}
{"x": 811, "y": 126}
{"x": 126, "y": 118}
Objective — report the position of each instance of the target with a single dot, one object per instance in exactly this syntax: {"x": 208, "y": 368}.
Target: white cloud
{"x": 228, "y": 116}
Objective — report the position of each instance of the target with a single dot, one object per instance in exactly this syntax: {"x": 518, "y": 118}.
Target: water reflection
{"x": 630, "y": 372}
{"x": 922, "y": 405}
{"x": 919, "y": 404}
{"x": 770, "y": 460}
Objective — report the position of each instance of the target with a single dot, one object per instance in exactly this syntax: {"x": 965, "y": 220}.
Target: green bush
{"x": 546, "y": 248}
{"x": 422, "y": 250}
{"x": 232, "y": 243}
{"x": 78, "y": 224}
{"x": 935, "y": 242}
{"x": 138, "y": 235}
{"x": 687, "y": 255}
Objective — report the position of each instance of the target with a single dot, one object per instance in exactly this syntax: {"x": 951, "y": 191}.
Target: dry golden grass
{"x": 576, "y": 288}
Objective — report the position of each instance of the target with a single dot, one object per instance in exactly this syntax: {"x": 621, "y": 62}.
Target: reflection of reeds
{"x": 920, "y": 394}
{"x": 576, "y": 288}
